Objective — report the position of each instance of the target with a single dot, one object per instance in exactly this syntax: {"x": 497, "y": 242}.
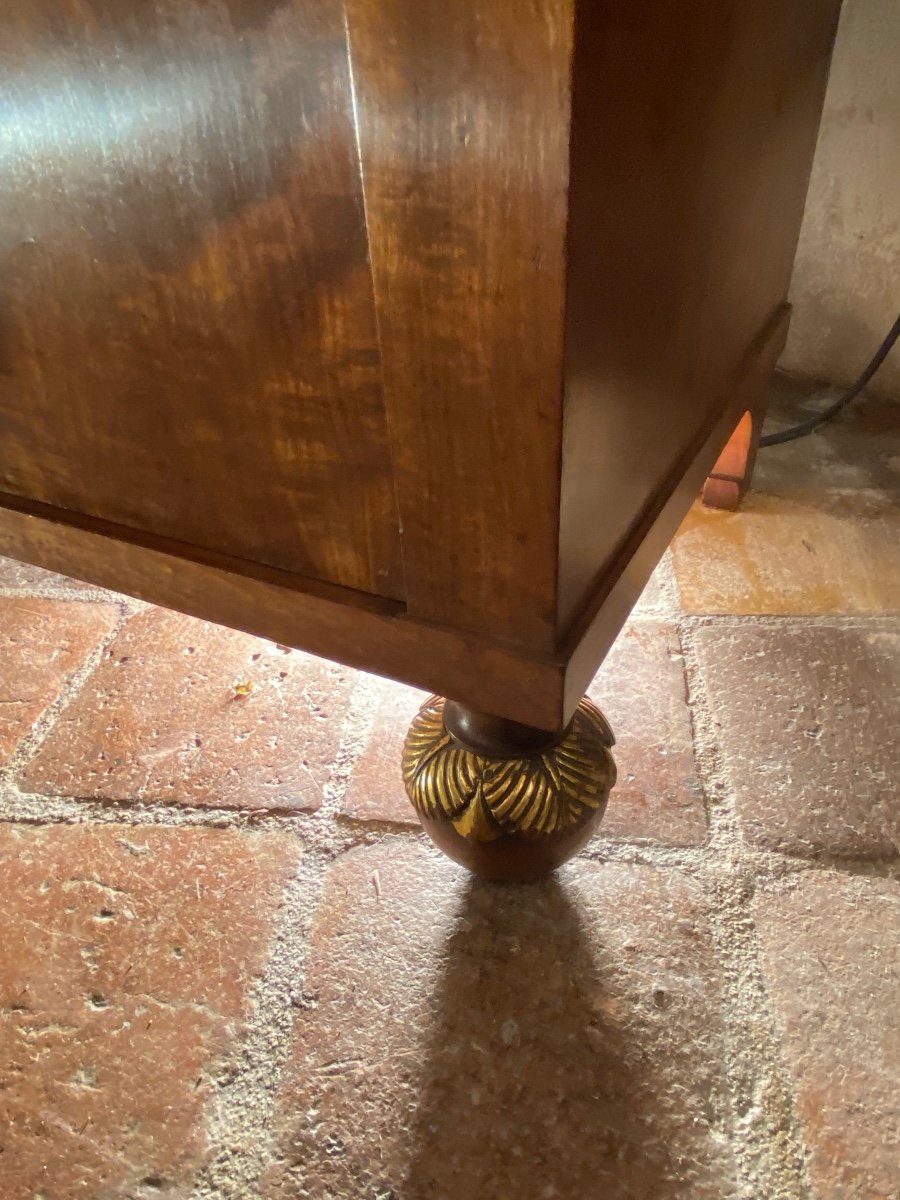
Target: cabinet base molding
{"x": 508, "y": 801}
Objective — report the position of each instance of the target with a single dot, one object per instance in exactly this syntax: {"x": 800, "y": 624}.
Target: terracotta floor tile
{"x": 125, "y": 960}
{"x": 807, "y": 720}
{"x": 375, "y": 791}
{"x": 463, "y": 1040}
{"x": 795, "y": 553}
{"x": 42, "y": 643}
{"x": 23, "y": 576}
{"x": 831, "y": 951}
{"x": 641, "y": 689}
{"x": 655, "y": 600}
{"x": 185, "y": 712}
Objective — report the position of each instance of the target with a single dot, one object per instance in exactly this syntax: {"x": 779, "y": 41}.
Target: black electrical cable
{"x": 801, "y": 430}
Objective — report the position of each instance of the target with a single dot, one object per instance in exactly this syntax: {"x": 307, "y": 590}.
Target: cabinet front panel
{"x": 188, "y": 342}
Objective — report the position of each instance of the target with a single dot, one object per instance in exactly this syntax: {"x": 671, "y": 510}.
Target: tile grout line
{"x": 29, "y": 745}
{"x": 772, "y": 1153}
{"x": 240, "y": 1119}
{"x": 249, "y": 1104}
{"x": 348, "y": 832}
{"x": 767, "y": 1140}
{"x": 86, "y": 594}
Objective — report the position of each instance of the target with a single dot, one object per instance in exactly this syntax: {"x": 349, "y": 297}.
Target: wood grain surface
{"x": 188, "y": 340}
{"x": 693, "y": 129}
{"x": 355, "y": 628}
{"x": 463, "y": 118}
{"x": 403, "y": 331}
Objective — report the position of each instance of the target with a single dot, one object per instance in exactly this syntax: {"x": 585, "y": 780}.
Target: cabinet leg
{"x": 505, "y": 800}
{"x": 730, "y": 477}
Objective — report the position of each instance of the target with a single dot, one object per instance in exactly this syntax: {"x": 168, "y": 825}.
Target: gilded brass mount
{"x": 528, "y": 794}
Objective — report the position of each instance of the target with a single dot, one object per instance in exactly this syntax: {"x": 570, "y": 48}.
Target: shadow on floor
{"x": 536, "y": 1080}
{"x": 858, "y": 449}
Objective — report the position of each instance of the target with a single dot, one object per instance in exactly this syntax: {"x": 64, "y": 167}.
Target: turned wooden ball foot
{"x": 505, "y": 800}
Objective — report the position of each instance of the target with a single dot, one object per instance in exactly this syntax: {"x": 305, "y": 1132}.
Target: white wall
{"x": 846, "y": 284}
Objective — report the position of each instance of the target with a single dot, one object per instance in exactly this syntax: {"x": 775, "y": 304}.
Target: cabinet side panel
{"x": 694, "y": 124}
{"x": 188, "y": 343}
{"x": 463, "y": 112}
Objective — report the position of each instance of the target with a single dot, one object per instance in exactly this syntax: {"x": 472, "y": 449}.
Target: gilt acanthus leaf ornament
{"x": 485, "y": 798}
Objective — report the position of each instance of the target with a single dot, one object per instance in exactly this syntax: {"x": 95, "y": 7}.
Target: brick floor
{"x": 18, "y": 576}
{"x": 806, "y": 717}
{"x": 641, "y": 689}
{"x": 375, "y": 791}
{"x": 459, "y": 1042}
{"x": 658, "y": 598}
{"x": 126, "y": 957}
{"x": 831, "y": 949}
{"x": 42, "y": 644}
{"x": 695, "y": 1008}
{"x": 802, "y": 553}
{"x": 185, "y": 712}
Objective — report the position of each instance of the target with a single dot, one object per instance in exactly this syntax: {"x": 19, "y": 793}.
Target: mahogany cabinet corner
{"x": 403, "y": 332}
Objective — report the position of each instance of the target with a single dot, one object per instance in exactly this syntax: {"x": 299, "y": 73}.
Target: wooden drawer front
{"x": 188, "y": 343}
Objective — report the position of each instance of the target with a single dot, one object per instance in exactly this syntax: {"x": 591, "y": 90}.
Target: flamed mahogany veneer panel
{"x": 463, "y": 113}
{"x": 188, "y": 340}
